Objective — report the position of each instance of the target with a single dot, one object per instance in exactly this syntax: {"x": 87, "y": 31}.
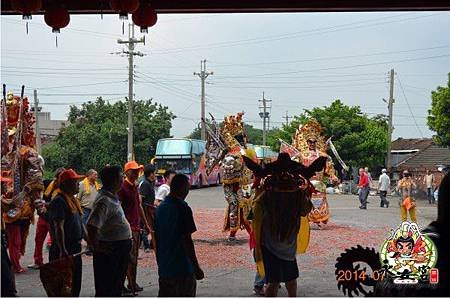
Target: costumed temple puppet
{"x": 225, "y": 147}
{"x": 309, "y": 144}
{"x": 281, "y": 228}
{"x": 22, "y": 166}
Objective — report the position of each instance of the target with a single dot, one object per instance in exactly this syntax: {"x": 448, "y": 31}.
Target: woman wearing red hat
{"x": 66, "y": 228}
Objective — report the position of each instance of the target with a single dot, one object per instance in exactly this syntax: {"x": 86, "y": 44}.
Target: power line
{"x": 344, "y": 66}
{"x": 155, "y": 81}
{"x": 59, "y": 76}
{"x": 64, "y": 69}
{"x": 79, "y": 31}
{"x": 299, "y": 87}
{"x": 81, "y": 85}
{"x": 409, "y": 107}
{"x": 333, "y": 58}
{"x": 299, "y": 82}
{"x": 68, "y": 103}
{"x": 80, "y": 94}
{"x": 65, "y": 73}
{"x": 312, "y": 32}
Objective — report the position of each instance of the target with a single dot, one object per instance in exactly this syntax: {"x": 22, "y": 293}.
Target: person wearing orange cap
{"x": 131, "y": 204}
{"x": 66, "y": 226}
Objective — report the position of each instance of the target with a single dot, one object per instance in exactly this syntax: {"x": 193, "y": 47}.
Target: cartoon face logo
{"x": 407, "y": 254}
{"x": 404, "y": 246}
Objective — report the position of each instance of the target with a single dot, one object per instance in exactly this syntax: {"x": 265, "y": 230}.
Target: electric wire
{"x": 409, "y": 107}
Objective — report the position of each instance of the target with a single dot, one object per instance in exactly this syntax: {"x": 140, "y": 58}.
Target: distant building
{"x": 49, "y": 129}
{"x": 417, "y": 156}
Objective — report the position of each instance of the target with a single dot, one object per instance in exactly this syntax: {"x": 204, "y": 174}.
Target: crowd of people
{"x": 109, "y": 219}
{"x": 109, "y": 214}
{"x": 405, "y": 188}
{"x": 124, "y": 210}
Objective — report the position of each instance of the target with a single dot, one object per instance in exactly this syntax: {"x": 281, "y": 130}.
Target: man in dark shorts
{"x": 131, "y": 204}
{"x": 279, "y": 261}
{"x": 66, "y": 226}
{"x": 109, "y": 235}
{"x": 178, "y": 267}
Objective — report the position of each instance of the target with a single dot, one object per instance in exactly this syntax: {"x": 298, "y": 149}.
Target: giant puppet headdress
{"x": 283, "y": 200}
{"x": 309, "y": 131}
{"x": 233, "y": 132}
{"x": 312, "y": 131}
{"x": 284, "y": 174}
{"x": 223, "y": 140}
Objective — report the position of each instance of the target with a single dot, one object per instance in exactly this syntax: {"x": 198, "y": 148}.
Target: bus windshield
{"x": 173, "y": 147}
{"x": 183, "y": 166}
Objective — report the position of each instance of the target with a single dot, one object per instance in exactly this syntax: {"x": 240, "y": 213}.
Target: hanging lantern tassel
{"x": 27, "y": 27}
{"x": 26, "y": 7}
{"x": 145, "y": 17}
{"x": 57, "y": 17}
{"x": 124, "y": 7}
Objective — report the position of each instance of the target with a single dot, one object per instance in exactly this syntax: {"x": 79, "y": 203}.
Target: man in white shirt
{"x": 428, "y": 180}
{"x": 384, "y": 182}
{"x": 164, "y": 189}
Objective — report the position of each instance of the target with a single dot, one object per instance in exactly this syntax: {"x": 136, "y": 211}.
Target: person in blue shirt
{"x": 178, "y": 268}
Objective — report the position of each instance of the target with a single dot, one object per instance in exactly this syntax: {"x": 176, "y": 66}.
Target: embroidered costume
{"x": 225, "y": 147}
{"x": 22, "y": 167}
{"x": 311, "y": 145}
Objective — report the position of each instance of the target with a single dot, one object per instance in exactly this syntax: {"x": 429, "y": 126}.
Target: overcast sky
{"x": 299, "y": 60}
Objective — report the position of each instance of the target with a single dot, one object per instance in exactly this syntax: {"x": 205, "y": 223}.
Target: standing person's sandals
{"x": 128, "y": 293}
{"x": 34, "y": 266}
{"x": 259, "y": 291}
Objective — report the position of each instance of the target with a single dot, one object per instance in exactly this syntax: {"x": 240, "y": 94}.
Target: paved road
{"x": 229, "y": 269}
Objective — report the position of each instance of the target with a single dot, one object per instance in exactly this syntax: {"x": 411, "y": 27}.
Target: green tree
{"x": 360, "y": 140}
{"x": 439, "y": 114}
{"x": 254, "y": 135}
{"x": 195, "y": 134}
{"x": 97, "y": 134}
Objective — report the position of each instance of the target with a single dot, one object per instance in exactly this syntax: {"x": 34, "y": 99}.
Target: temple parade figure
{"x": 225, "y": 147}
{"x": 280, "y": 226}
{"x": 21, "y": 169}
{"x": 311, "y": 145}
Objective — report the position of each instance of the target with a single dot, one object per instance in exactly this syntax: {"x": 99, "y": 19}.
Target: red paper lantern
{"x": 57, "y": 18}
{"x": 124, "y": 7}
{"x": 145, "y": 17}
{"x": 26, "y": 7}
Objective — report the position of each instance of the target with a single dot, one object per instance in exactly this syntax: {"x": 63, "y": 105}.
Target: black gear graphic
{"x": 348, "y": 262}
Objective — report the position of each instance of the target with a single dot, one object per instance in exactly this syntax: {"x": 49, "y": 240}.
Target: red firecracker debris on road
{"x": 214, "y": 251}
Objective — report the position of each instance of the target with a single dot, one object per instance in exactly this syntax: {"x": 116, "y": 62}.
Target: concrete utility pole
{"x": 36, "y": 116}
{"x": 130, "y": 43}
{"x": 203, "y": 74}
{"x": 287, "y": 117}
{"x": 264, "y": 114}
{"x": 390, "y": 128}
